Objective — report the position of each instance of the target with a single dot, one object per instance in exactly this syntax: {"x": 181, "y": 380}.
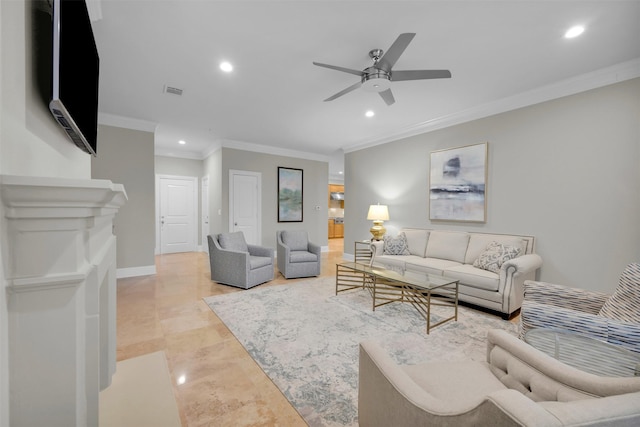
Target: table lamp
{"x": 378, "y": 213}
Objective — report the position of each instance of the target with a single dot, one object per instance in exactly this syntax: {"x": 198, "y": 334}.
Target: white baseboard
{"x": 121, "y": 273}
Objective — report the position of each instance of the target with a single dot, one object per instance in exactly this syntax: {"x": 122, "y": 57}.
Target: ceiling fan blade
{"x": 342, "y": 92}
{"x": 401, "y": 75}
{"x": 335, "y": 67}
{"x": 387, "y": 96}
{"x": 390, "y": 57}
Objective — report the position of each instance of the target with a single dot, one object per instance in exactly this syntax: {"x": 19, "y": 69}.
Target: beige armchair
{"x": 516, "y": 386}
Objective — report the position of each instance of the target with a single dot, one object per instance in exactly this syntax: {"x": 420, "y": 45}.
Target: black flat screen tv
{"x": 75, "y": 74}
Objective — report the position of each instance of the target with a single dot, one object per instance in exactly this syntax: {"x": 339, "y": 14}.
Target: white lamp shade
{"x": 378, "y": 213}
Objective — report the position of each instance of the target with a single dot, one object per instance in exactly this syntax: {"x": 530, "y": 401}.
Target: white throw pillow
{"x": 395, "y": 245}
{"x": 495, "y": 255}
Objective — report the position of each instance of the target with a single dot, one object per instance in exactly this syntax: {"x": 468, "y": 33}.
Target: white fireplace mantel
{"x": 60, "y": 267}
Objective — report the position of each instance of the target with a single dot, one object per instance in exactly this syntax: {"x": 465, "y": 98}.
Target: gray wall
{"x": 126, "y": 157}
{"x": 566, "y": 171}
{"x": 184, "y": 167}
{"x": 315, "y": 193}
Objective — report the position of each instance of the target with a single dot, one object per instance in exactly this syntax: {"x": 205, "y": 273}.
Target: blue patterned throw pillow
{"x": 495, "y": 255}
{"x": 395, "y": 245}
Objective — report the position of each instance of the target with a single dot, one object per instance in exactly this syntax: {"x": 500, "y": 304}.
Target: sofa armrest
{"x": 523, "y": 264}
{"x": 562, "y": 296}
{"x": 377, "y": 247}
{"x": 314, "y": 249}
{"x": 256, "y": 250}
{"x": 523, "y": 410}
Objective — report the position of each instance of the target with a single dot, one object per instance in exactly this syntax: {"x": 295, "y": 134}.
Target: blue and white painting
{"x": 289, "y": 195}
{"x": 457, "y": 186}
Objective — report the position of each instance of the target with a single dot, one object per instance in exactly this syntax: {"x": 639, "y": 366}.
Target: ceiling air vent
{"x": 173, "y": 90}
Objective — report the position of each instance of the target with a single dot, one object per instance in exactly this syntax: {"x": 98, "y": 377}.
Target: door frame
{"x": 195, "y": 182}
{"x": 258, "y": 176}
{"x": 204, "y": 211}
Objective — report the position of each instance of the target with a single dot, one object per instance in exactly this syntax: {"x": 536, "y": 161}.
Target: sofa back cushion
{"x": 479, "y": 242}
{"x": 233, "y": 241}
{"x": 297, "y": 240}
{"x": 416, "y": 240}
{"x": 450, "y": 245}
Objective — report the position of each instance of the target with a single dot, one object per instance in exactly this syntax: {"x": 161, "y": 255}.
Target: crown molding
{"x": 582, "y": 83}
{"x": 257, "y": 148}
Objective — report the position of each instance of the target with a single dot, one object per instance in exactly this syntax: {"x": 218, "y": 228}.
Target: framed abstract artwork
{"x": 289, "y": 195}
{"x": 457, "y": 184}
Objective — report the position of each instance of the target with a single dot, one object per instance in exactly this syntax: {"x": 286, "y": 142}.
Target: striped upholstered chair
{"x": 613, "y": 318}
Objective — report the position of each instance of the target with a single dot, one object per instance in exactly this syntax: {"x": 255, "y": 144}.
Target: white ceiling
{"x": 496, "y": 51}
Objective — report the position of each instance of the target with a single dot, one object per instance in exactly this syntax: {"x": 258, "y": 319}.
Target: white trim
{"x": 582, "y": 83}
{"x": 148, "y": 270}
{"x": 192, "y": 155}
{"x": 257, "y": 148}
{"x": 126, "y": 122}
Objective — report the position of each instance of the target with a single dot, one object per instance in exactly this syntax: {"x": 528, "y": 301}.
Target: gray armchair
{"x": 236, "y": 263}
{"x": 516, "y": 386}
{"x": 297, "y": 257}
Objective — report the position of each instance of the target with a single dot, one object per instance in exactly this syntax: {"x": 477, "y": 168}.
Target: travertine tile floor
{"x": 216, "y": 382}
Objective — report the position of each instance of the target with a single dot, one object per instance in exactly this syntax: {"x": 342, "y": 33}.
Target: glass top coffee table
{"x": 422, "y": 290}
{"x": 585, "y": 353}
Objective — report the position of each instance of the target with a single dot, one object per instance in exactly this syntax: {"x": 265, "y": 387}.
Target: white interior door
{"x": 245, "y": 190}
{"x": 205, "y": 212}
{"x": 177, "y": 201}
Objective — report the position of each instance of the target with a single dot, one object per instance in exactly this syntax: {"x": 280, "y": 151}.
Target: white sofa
{"x": 452, "y": 254}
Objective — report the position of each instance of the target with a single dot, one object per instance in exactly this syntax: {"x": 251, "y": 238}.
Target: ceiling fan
{"x": 378, "y": 77}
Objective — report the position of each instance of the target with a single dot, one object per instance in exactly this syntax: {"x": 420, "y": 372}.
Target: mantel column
{"x": 61, "y": 280}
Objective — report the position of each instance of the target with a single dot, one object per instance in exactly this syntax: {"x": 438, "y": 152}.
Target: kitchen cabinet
{"x": 338, "y": 230}
{"x": 332, "y": 229}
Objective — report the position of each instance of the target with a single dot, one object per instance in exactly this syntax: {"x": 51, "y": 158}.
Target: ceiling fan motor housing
{"x": 375, "y": 80}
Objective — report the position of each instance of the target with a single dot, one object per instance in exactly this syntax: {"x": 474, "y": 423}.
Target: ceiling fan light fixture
{"x": 376, "y": 80}
{"x": 369, "y": 113}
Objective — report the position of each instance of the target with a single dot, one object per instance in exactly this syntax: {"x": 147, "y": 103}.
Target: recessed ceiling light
{"x": 181, "y": 142}
{"x": 369, "y": 113}
{"x": 574, "y": 32}
{"x": 226, "y": 67}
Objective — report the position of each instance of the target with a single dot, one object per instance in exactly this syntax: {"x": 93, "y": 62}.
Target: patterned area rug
{"x": 305, "y": 338}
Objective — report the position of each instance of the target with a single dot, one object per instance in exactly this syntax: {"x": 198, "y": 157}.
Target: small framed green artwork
{"x": 289, "y": 195}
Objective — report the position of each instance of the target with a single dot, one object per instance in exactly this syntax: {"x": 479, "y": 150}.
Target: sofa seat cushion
{"x": 476, "y": 277}
{"x": 463, "y": 383}
{"x": 394, "y": 262}
{"x": 302, "y": 256}
{"x": 451, "y": 245}
{"x": 258, "y": 261}
{"x": 296, "y": 240}
{"x": 430, "y": 265}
